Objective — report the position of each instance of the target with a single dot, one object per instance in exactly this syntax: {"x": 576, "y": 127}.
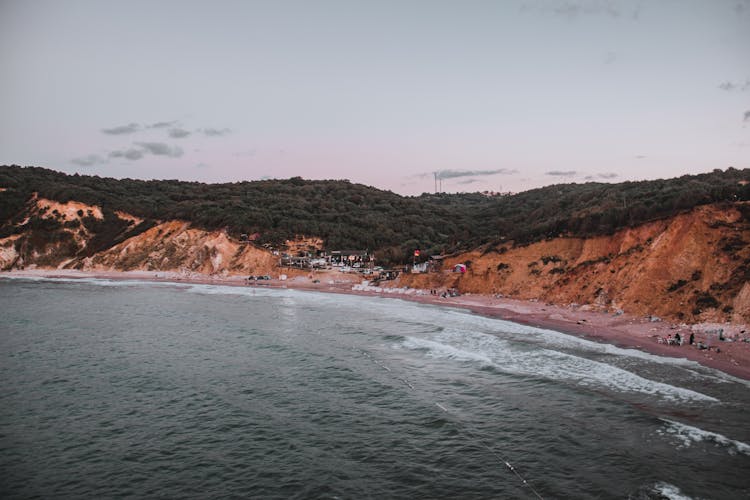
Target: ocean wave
{"x": 95, "y": 281}
{"x": 689, "y": 435}
{"x": 206, "y": 289}
{"x": 438, "y": 350}
{"x": 508, "y": 357}
{"x": 662, "y": 490}
{"x": 559, "y": 340}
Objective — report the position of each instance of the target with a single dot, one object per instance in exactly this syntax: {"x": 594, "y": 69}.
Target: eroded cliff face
{"x": 50, "y": 235}
{"x": 693, "y": 267}
{"x": 58, "y": 236}
{"x": 176, "y": 246}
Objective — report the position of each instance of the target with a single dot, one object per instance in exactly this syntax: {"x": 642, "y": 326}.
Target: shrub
{"x": 706, "y": 301}
{"x": 676, "y": 285}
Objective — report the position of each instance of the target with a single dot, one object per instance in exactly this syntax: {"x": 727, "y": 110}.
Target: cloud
{"x": 214, "y": 132}
{"x": 640, "y": 157}
{"x": 604, "y": 175}
{"x": 561, "y": 173}
{"x": 87, "y": 161}
{"x": 160, "y": 149}
{"x": 144, "y": 148}
{"x": 163, "y": 124}
{"x": 468, "y": 181}
{"x": 452, "y": 174}
{"x": 122, "y": 129}
{"x": 178, "y": 133}
{"x": 731, "y": 86}
{"x": 130, "y": 154}
{"x": 202, "y": 165}
{"x": 572, "y": 9}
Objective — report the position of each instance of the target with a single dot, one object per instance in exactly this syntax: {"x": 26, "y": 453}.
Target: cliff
{"x": 64, "y": 236}
{"x": 691, "y": 267}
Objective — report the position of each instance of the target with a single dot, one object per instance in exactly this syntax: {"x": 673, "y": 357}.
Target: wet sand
{"x": 731, "y": 356}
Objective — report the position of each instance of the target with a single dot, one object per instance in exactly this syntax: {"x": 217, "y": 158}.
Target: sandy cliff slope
{"x": 692, "y": 267}
{"x": 176, "y": 246}
{"x": 77, "y": 236}
{"x": 49, "y": 236}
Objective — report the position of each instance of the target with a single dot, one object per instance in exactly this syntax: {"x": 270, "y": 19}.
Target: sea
{"x": 112, "y": 389}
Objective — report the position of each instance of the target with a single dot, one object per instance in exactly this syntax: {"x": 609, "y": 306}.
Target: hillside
{"x": 677, "y": 248}
{"x": 69, "y": 235}
{"x": 346, "y": 215}
{"x": 692, "y": 267}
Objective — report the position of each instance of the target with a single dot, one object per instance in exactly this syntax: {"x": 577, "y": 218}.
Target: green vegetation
{"x": 353, "y": 216}
{"x": 676, "y": 285}
{"x": 546, "y": 259}
{"x": 705, "y": 301}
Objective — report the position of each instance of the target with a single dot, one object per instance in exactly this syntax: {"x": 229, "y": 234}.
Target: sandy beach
{"x": 648, "y": 334}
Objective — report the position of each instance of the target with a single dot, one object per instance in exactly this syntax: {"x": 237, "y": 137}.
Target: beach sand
{"x": 731, "y": 356}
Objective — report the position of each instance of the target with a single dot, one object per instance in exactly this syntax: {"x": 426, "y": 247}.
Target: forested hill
{"x": 347, "y": 215}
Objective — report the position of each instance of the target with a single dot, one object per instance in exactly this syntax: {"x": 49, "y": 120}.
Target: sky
{"x": 487, "y": 95}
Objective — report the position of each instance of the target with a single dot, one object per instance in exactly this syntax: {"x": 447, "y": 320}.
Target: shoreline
{"x": 623, "y": 330}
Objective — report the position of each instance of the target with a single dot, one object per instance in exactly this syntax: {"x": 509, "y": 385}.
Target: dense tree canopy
{"x": 349, "y": 216}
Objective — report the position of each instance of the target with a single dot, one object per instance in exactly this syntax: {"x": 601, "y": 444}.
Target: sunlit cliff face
{"x": 690, "y": 267}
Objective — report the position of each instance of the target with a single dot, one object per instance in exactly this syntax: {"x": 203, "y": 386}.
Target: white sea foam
{"x": 670, "y": 491}
{"x": 555, "y": 339}
{"x": 206, "y": 289}
{"x": 505, "y": 356}
{"x": 689, "y": 435}
{"x": 439, "y": 350}
{"x": 123, "y": 283}
{"x": 93, "y": 281}
{"x": 16, "y": 277}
